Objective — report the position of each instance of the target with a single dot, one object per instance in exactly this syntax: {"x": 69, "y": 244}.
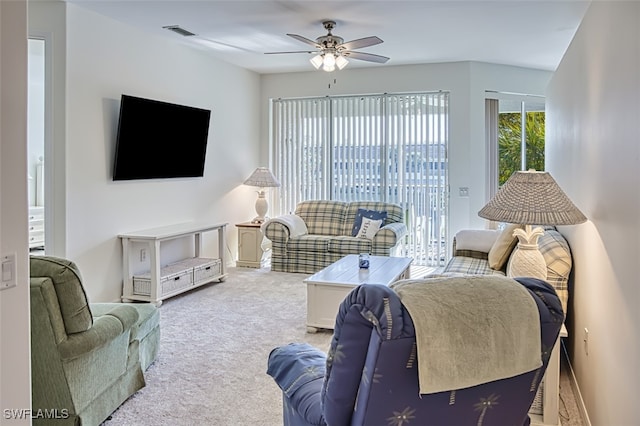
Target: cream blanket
{"x": 295, "y": 224}
{"x": 471, "y": 329}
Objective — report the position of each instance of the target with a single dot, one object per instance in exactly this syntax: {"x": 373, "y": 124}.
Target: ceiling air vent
{"x": 178, "y": 30}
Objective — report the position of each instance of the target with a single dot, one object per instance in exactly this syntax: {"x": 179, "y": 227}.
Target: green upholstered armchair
{"x": 83, "y": 365}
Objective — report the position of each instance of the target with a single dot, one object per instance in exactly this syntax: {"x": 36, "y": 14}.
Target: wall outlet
{"x": 463, "y": 191}
{"x": 143, "y": 255}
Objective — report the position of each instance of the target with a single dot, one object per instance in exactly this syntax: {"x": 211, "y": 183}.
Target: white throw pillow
{"x": 369, "y": 228}
{"x": 501, "y": 251}
{"x": 476, "y": 239}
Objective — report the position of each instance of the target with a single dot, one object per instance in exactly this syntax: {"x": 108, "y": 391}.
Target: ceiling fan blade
{"x": 296, "y": 51}
{"x": 360, "y": 43}
{"x": 366, "y": 57}
{"x": 305, "y": 40}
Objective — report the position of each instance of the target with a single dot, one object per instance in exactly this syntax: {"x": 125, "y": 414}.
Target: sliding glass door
{"x": 390, "y": 147}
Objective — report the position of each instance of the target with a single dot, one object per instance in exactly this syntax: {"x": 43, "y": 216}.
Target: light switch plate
{"x": 8, "y": 271}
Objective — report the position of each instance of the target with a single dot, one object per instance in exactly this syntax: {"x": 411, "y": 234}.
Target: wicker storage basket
{"x": 172, "y": 277}
{"x": 538, "y": 401}
{"x": 202, "y": 268}
{"x": 179, "y": 275}
{"x": 208, "y": 269}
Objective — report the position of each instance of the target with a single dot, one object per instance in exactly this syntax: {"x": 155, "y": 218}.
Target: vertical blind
{"x": 390, "y": 147}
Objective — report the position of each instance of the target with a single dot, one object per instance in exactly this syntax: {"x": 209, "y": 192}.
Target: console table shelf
{"x": 164, "y": 281}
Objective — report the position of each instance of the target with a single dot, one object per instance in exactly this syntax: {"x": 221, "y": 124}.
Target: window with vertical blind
{"x": 390, "y": 148}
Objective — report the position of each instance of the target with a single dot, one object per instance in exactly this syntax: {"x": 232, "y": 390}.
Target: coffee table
{"x": 327, "y": 288}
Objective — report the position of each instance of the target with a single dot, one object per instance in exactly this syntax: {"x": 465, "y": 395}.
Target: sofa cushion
{"x": 503, "y": 246}
{"x": 323, "y": 217}
{"x": 349, "y": 245}
{"x": 470, "y": 266}
{"x": 369, "y": 214}
{"x": 557, "y": 256}
{"x": 67, "y": 281}
{"x": 310, "y": 243}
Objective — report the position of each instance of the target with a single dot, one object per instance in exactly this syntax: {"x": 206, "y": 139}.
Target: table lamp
{"x": 530, "y": 198}
{"x": 262, "y": 178}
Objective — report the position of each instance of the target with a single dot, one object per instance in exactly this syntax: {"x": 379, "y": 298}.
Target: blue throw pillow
{"x": 371, "y": 214}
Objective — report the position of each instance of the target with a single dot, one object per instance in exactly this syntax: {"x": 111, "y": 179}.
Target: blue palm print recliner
{"x": 368, "y": 378}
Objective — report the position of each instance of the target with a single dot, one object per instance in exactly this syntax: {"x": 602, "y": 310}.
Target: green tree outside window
{"x": 509, "y": 143}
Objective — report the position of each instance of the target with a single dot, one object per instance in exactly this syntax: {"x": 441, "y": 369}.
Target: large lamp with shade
{"x": 530, "y": 198}
{"x": 261, "y": 178}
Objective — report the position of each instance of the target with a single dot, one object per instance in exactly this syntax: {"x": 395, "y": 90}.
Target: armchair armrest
{"x": 474, "y": 243}
{"x": 282, "y": 228}
{"x": 299, "y": 370}
{"x": 105, "y": 329}
{"x": 127, "y": 315}
{"x": 276, "y": 232}
{"x": 390, "y": 235}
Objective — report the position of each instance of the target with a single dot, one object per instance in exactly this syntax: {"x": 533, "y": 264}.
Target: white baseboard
{"x": 576, "y": 390}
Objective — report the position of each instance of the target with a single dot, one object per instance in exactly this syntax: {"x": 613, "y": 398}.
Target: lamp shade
{"x": 532, "y": 198}
{"x": 316, "y": 61}
{"x": 341, "y": 62}
{"x": 262, "y": 178}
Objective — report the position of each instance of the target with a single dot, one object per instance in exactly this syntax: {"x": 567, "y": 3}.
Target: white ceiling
{"x": 527, "y": 33}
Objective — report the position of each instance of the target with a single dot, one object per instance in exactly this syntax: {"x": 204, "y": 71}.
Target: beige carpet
{"x": 215, "y": 342}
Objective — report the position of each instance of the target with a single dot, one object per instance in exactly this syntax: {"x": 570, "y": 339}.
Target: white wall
{"x": 593, "y": 151}
{"x": 104, "y": 59}
{"x": 46, "y": 19}
{"x": 15, "y": 388}
{"x": 467, "y": 83}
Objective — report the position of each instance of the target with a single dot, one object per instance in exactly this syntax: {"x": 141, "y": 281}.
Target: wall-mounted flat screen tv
{"x": 159, "y": 140}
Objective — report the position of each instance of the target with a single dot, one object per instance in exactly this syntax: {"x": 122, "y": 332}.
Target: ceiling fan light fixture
{"x": 328, "y": 68}
{"x": 329, "y": 63}
{"x": 317, "y": 61}
{"x": 341, "y": 62}
{"x": 332, "y": 51}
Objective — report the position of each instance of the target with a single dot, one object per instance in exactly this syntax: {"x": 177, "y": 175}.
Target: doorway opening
{"x": 36, "y": 132}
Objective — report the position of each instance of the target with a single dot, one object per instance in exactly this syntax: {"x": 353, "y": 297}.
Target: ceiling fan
{"x": 332, "y": 51}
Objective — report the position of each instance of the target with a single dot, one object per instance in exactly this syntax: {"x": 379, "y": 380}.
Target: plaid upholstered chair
{"x": 372, "y": 372}
{"x": 321, "y": 232}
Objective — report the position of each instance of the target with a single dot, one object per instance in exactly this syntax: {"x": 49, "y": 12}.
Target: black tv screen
{"x": 158, "y": 140}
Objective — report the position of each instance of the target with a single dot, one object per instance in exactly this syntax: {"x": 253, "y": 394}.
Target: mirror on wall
{"x": 36, "y": 143}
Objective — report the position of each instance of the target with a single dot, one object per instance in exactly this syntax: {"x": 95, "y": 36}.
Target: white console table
{"x": 154, "y": 237}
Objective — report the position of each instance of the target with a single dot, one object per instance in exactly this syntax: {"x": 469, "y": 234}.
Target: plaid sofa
{"x": 329, "y": 225}
{"x": 552, "y": 245}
